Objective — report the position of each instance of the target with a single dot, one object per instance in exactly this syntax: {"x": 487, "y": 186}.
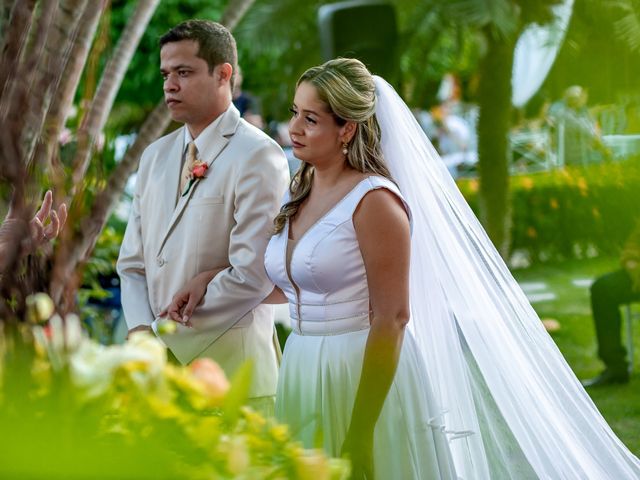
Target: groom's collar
{"x": 225, "y": 124}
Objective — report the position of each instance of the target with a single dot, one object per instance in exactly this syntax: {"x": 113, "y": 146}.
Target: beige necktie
{"x": 190, "y": 159}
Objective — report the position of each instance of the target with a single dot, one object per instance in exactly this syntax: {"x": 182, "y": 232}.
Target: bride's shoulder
{"x": 381, "y": 201}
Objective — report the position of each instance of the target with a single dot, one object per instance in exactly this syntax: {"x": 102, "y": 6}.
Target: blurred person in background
{"x": 246, "y": 103}
{"x": 608, "y": 293}
{"x": 576, "y": 132}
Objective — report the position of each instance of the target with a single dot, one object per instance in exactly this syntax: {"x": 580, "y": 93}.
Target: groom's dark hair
{"x": 216, "y": 45}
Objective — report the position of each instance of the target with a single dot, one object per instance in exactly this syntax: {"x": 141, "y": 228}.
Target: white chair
{"x": 629, "y": 316}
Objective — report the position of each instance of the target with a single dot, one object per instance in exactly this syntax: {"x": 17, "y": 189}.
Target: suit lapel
{"x": 213, "y": 146}
{"x": 169, "y": 181}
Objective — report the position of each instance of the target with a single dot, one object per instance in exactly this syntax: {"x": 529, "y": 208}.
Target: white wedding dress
{"x": 326, "y": 285}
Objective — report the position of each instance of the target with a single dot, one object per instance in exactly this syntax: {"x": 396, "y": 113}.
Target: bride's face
{"x": 315, "y": 136}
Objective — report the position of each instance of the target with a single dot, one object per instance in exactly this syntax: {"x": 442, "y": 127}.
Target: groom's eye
{"x": 293, "y": 111}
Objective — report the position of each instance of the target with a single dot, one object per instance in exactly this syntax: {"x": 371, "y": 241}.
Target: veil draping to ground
{"x": 510, "y": 402}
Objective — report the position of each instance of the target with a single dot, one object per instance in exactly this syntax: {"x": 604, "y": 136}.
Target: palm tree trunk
{"x": 62, "y": 97}
{"x": 57, "y": 48}
{"x": 234, "y": 12}
{"x": 14, "y": 39}
{"x": 494, "y": 98}
{"x": 109, "y": 85}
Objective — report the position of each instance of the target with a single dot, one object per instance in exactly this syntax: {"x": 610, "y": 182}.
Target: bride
{"x": 413, "y": 349}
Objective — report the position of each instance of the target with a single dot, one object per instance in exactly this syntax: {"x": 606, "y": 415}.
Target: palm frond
{"x": 498, "y": 15}
{"x": 628, "y": 26}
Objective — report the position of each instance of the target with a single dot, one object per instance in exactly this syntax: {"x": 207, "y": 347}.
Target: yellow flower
{"x": 313, "y": 465}
{"x": 474, "y": 186}
{"x": 531, "y": 232}
{"x": 280, "y": 433}
{"x": 254, "y": 419}
{"x": 527, "y": 183}
{"x": 582, "y": 186}
{"x": 166, "y": 326}
{"x": 554, "y": 204}
{"x": 596, "y": 212}
{"x": 40, "y": 307}
{"x": 238, "y": 458}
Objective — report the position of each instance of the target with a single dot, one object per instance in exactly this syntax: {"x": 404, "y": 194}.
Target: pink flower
{"x": 199, "y": 169}
{"x": 211, "y": 376}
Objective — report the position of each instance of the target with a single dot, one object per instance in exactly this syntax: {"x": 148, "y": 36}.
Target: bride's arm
{"x": 276, "y": 296}
{"x": 383, "y": 233}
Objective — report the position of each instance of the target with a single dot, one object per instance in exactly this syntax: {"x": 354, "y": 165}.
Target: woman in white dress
{"x": 351, "y": 374}
{"x": 413, "y": 349}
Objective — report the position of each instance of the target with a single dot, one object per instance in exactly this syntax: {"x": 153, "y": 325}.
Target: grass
{"x": 619, "y": 404}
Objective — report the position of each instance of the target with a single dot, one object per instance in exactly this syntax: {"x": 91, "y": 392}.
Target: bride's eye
{"x": 310, "y": 120}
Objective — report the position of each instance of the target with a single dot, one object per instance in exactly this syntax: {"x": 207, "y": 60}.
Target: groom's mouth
{"x": 171, "y": 102}
{"x": 295, "y": 144}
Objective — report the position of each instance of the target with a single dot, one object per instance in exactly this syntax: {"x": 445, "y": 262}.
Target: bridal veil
{"x": 511, "y": 405}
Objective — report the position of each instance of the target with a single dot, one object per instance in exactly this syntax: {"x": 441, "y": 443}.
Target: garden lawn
{"x": 568, "y": 283}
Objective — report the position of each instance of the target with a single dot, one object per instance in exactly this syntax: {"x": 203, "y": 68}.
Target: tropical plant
{"x": 45, "y": 50}
{"x": 124, "y": 411}
{"x": 500, "y": 23}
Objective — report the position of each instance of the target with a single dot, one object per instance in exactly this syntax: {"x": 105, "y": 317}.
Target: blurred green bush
{"x": 73, "y": 409}
{"x": 575, "y": 212}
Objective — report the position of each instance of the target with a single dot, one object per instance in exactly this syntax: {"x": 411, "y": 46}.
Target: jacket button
{"x": 160, "y": 261}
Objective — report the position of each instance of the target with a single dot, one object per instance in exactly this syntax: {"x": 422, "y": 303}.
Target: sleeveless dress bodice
{"x": 327, "y": 268}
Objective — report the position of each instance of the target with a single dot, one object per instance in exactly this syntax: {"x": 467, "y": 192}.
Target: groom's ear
{"x": 223, "y": 73}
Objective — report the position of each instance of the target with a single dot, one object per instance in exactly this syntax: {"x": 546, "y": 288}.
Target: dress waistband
{"x": 336, "y": 326}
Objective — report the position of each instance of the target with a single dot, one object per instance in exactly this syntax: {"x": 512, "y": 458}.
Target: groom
{"x": 205, "y": 198}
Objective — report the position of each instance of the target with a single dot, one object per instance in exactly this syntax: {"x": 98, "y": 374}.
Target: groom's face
{"x": 195, "y": 96}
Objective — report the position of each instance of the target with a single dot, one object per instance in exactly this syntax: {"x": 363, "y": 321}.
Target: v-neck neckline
{"x": 324, "y": 215}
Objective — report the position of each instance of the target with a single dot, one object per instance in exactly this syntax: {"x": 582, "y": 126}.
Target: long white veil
{"x": 494, "y": 369}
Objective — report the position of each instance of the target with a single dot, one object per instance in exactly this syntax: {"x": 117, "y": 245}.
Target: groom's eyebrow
{"x": 181, "y": 66}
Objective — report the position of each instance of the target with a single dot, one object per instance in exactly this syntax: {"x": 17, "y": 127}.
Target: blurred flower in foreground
{"x": 39, "y": 307}
{"x": 156, "y": 419}
{"x": 212, "y": 377}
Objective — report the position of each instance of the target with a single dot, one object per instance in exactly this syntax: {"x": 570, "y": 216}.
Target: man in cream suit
{"x": 221, "y": 219}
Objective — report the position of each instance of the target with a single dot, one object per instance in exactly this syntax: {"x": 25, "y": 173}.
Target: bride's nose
{"x": 294, "y": 126}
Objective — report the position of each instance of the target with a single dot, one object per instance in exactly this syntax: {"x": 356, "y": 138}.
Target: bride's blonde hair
{"x": 348, "y": 89}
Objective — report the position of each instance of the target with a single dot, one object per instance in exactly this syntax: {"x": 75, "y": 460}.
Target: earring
{"x": 344, "y": 148}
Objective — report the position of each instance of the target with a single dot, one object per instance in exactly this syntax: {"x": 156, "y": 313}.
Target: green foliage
{"x": 88, "y": 411}
{"x": 571, "y": 213}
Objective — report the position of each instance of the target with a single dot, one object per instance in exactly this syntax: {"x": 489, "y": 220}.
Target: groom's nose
{"x": 170, "y": 84}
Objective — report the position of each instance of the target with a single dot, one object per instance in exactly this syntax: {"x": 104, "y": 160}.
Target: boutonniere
{"x": 198, "y": 171}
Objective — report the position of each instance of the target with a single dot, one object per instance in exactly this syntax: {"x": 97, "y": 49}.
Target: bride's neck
{"x": 330, "y": 176}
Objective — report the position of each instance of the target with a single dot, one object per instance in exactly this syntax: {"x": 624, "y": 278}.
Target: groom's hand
{"x": 189, "y": 297}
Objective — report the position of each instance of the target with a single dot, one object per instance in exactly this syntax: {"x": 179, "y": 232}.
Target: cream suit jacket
{"x": 225, "y": 220}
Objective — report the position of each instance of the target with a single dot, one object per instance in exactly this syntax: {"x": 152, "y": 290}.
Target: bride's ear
{"x": 347, "y": 131}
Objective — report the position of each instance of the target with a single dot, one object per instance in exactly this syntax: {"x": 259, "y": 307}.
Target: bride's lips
{"x": 295, "y": 144}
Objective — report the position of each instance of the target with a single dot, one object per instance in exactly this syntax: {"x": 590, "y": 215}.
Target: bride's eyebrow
{"x": 310, "y": 111}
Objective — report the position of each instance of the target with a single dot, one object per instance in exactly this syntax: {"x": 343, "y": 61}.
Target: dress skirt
{"x": 317, "y": 386}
